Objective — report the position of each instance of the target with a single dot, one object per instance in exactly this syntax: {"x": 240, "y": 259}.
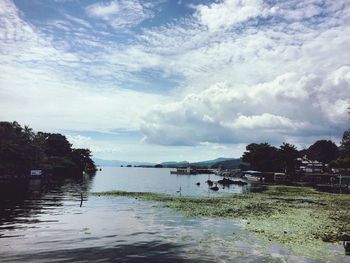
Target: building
{"x": 310, "y": 166}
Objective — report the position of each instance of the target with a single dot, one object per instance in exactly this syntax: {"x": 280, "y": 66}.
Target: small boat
{"x": 254, "y": 176}
{"x": 184, "y": 170}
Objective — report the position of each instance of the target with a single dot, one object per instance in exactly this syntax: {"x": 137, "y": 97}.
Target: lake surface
{"x": 158, "y": 181}
{"x": 42, "y": 221}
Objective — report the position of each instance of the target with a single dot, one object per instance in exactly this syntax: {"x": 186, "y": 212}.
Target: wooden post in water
{"x": 81, "y": 199}
{"x": 346, "y": 245}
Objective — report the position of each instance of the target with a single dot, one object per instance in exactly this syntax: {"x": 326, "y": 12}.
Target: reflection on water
{"x": 22, "y": 200}
{"x": 42, "y": 221}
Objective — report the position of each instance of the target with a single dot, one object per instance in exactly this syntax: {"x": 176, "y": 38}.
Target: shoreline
{"x": 299, "y": 218}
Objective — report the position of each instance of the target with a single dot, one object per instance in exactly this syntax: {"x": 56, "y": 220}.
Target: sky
{"x": 161, "y": 80}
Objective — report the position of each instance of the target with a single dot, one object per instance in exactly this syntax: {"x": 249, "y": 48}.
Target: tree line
{"x": 22, "y": 150}
{"x": 266, "y": 158}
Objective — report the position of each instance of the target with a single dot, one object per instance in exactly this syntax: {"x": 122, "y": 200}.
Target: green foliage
{"x": 266, "y": 158}
{"x": 344, "y": 153}
{"x": 21, "y": 150}
{"x": 288, "y": 155}
{"x": 17, "y": 151}
{"x": 57, "y": 145}
{"x": 263, "y": 157}
{"x": 227, "y": 164}
{"x": 345, "y": 145}
{"x": 323, "y": 151}
{"x": 82, "y": 158}
{"x": 340, "y": 163}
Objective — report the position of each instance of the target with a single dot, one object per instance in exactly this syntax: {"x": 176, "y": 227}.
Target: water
{"x": 158, "y": 181}
{"x": 42, "y": 221}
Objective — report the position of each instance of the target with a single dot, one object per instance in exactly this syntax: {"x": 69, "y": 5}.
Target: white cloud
{"x": 79, "y": 21}
{"x": 249, "y": 70}
{"x": 68, "y": 105}
{"x": 268, "y": 111}
{"x": 299, "y": 10}
{"x": 285, "y": 80}
{"x": 47, "y": 83}
{"x": 96, "y": 146}
{"x": 120, "y": 13}
{"x": 227, "y": 13}
{"x": 264, "y": 121}
{"x": 78, "y": 141}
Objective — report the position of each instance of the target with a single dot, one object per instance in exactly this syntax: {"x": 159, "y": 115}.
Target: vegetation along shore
{"x": 22, "y": 150}
{"x": 299, "y": 218}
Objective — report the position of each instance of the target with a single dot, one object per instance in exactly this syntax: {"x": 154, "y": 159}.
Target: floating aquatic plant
{"x": 301, "y": 219}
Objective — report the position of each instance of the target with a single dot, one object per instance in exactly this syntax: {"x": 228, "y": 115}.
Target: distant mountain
{"x": 174, "y": 164}
{"x": 117, "y": 163}
{"x": 210, "y": 163}
{"x": 228, "y": 164}
{"x": 225, "y": 163}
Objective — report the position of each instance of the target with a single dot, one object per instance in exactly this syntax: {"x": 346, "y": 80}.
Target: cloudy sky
{"x": 157, "y": 80}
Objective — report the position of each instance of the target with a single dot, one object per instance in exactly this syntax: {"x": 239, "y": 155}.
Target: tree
{"x": 344, "y": 152}
{"x": 21, "y": 150}
{"x": 323, "y": 151}
{"x": 16, "y": 149}
{"x": 289, "y": 154}
{"x": 57, "y": 145}
{"x": 345, "y": 144}
{"x": 28, "y": 132}
{"x": 82, "y": 158}
{"x": 263, "y": 157}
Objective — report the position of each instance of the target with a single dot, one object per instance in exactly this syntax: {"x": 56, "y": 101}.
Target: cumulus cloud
{"x": 264, "y": 121}
{"x": 286, "y": 80}
{"x": 120, "y": 13}
{"x": 272, "y": 111}
{"x": 248, "y": 71}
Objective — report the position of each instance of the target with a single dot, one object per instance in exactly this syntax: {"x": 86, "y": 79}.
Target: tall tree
{"x": 82, "y": 158}
{"x": 289, "y": 154}
{"x": 21, "y": 150}
{"x": 263, "y": 157}
{"x": 323, "y": 151}
{"x": 345, "y": 144}
{"x": 16, "y": 149}
{"x": 344, "y": 152}
{"x": 57, "y": 145}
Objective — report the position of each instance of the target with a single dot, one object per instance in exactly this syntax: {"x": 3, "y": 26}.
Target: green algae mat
{"x": 299, "y": 218}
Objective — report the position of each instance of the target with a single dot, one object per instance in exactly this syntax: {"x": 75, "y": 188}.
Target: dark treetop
{"x": 21, "y": 150}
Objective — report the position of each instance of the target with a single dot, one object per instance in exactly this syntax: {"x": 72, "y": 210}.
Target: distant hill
{"x": 228, "y": 164}
{"x": 118, "y": 163}
{"x": 174, "y": 164}
{"x": 210, "y": 163}
{"x": 225, "y": 163}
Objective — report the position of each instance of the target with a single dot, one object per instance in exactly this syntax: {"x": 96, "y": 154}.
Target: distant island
{"x": 22, "y": 150}
{"x": 224, "y": 163}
